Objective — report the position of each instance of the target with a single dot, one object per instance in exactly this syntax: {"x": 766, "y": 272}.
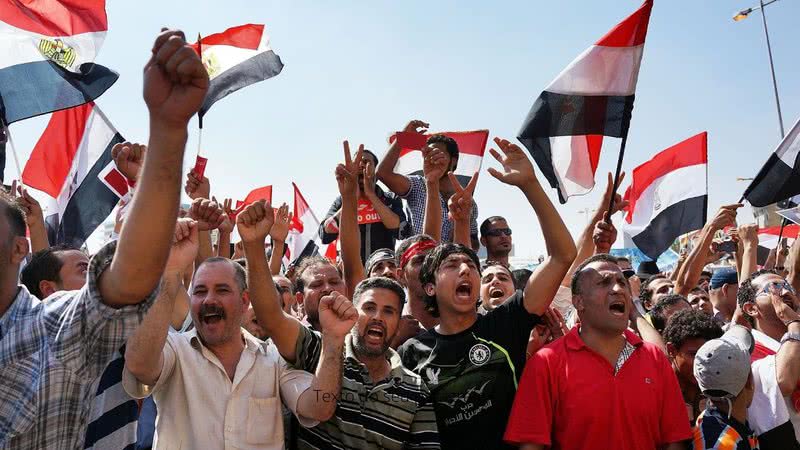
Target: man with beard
{"x": 496, "y": 237}
{"x": 471, "y": 362}
{"x": 381, "y": 217}
{"x": 247, "y": 377}
{"x": 382, "y": 404}
{"x": 600, "y": 380}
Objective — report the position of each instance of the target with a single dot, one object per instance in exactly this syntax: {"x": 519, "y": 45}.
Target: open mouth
{"x": 496, "y": 293}
{"x": 375, "y": 333}
{"x": 212, "y": 315}
{"x": 617, "y": 308}
{"x": 464, "y": 291}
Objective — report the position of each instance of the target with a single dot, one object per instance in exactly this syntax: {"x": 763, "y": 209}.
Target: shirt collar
{"x": 575, "y": 342}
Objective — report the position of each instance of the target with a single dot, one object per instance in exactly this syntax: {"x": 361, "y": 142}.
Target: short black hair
{"x": 521, "y": 277}
{"x": 578, "y": 274}
{"x": 706, "y": 273}
{"x": 371, "y": 154}
{"x": 690, "y": 324}
{"x": 747, "y": 292}
{"x": 488, "y": 222}
{"x": 622, "y": 258}
{"x": 645, "y": 295}
{"x": 14, "y": 214}
{"x": 403, "y": 247}
{"x": 380, "y": 283}
{"x": 698, "y": 289}
{"x": 307, "y": 263}
{"x": 45, "y": 265}
{"x": 433, "y": 260}
{"x": 239, "y": 274}
{"x": 657, "y": 313}
{"x": 450, "y": 144}
{"x": 492, "y": 263}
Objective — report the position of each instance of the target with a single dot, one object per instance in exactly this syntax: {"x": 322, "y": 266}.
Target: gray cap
{"x": 377, "y": 256}
{"x": 722, "y": 365}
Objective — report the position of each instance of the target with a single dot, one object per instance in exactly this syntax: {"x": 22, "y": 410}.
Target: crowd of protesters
{"x": 166, "y": 338}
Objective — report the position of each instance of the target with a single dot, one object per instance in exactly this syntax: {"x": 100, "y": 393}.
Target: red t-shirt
{"x": 569, "y": 398}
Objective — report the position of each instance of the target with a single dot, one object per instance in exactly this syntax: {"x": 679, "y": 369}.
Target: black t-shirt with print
{"x": 473, "y": 375}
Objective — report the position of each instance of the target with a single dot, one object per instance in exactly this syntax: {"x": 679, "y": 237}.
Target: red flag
{"x": 471, "y": 147}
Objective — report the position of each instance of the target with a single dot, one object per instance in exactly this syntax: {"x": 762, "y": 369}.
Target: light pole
{"x": 743, "y": 14}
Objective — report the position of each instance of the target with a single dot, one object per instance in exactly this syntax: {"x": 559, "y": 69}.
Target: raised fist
{"x": 208, "y": 214}
{"x": 337, "y": 315}
{"x": 175, "y": 80}
{"x": 197, "y": 187}
{"x": 184, "y": 246}
{"x": 255, "y": 222}
{"x": 128, "y": 158}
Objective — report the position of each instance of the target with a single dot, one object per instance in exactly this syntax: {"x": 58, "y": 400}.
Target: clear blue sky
{"x": 360, "y": 70}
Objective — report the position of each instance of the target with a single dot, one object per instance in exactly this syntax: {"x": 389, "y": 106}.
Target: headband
{"x": 415, "y": 249}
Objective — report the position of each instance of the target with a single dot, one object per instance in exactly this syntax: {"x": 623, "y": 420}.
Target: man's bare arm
{"x": 396, "y": 182}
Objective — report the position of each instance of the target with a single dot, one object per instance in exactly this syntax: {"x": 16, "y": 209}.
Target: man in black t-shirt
{"x": 472, "y": 363}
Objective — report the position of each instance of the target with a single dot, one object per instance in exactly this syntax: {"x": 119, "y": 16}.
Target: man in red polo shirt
{"x": 600, "y": 386}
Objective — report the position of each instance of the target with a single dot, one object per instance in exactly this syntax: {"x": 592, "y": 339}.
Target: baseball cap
{"x": 722, "y": 366}
{"x": 723, "y": 276}
{"x": 382, "y": 254}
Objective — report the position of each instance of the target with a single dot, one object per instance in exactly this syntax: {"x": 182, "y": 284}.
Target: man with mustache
{"x": 382, "y": 404}
{"x": 217, "y": 385}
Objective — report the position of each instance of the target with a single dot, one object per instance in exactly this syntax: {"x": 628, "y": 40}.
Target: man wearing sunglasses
{"x": 770, "y": 303}
{"x": 496, "y": 237}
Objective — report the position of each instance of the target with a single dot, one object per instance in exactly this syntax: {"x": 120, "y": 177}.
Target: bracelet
{"x": 791, "y": 322}
{"x": 790, "y": 337}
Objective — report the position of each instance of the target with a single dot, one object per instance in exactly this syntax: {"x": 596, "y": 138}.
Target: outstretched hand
{"x": 280, "y": 228}
{"x": 460, "y": 203}
{"x": 517, "y": 168}
{"x": 604, "y": 235}
{"x": 34, "y": 215}
{"x": 175, "y": 80}
{"x": 416, "y": 126}
{"x": 255, "y": 222}
{"x": 347, "y": 173}
{"x": 129, "y": 157}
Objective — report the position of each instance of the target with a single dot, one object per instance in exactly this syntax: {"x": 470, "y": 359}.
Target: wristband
{"x": 790, "y": 337}
{"x": 791, "y": 322}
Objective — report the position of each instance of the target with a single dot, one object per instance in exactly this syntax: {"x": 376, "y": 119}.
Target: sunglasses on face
{"x": 497, "y": 232}
{"x": 628, "y": 273}
{"x": 776, "y": 287}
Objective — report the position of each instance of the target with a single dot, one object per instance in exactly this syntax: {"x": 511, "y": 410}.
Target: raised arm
{"x": 396, "y": 182}
{"x": 459, "y": 208}
{"x": 389, "y": 219}
{"x": 143, "y": 352}
{"x": 34, "y": 218}
{"x": 691, "y": 270}
{"x": 748, "y": 236}
{"x": 787, "y": 361}
{"x": 350, "y": 236}
{"x": 434, "y": 166}
{"x": 225, "y": 229}
{"x": 254, "y": 224}
{"x": 278, "y": 234}
{"x": 175, "y": 85}
{"x": 337, "y": 315}
{"x": 584, "y": 243}
{"x": 209, "y": 215}
{"x": 543, "y": 283}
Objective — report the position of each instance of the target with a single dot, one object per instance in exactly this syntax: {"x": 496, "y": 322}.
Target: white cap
{"x": 723, "y": 365}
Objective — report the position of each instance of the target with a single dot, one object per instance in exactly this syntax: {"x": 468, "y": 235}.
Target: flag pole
{"x": 10, "y": 142}
{"x": 199, "y": 115}
{"x": 616, "y": 175}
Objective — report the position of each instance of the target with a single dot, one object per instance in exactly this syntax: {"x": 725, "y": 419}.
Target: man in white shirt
{"x": 217, "y": 386}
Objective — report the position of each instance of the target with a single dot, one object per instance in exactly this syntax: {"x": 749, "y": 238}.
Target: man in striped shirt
{"x": 382, "y": 405}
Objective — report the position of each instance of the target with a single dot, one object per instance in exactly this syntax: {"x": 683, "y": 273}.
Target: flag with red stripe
{"x": 668, "y": 196}
{"x": 303, "y": 239}
{"x": 591, "y": 98}
{"x": 236, "y": 58}
{"x": 471, "y": 148}
{"x": 48, "y": 50}
{"x": 72, "y": 164}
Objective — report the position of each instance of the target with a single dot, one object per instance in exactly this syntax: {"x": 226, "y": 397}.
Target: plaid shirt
{"x": 415, "y": 197}
{"x": 50, "y": 355}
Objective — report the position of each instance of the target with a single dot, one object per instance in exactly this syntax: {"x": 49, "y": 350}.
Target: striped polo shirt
{"x": 394, "y": 413}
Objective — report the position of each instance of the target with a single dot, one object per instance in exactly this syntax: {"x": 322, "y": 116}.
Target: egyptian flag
{"x": 303, "y": 239}
{"x": 262, "y": 193}
{"x": 779, "y": 179}
{"x": 72, "y": 164}
{"x": 48, "y": 50}
{"x": 591, "y": 98}
{"x": 235, "y": 58}
{"x": 668, "y": 196}
{"x": 471, "y": 147}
